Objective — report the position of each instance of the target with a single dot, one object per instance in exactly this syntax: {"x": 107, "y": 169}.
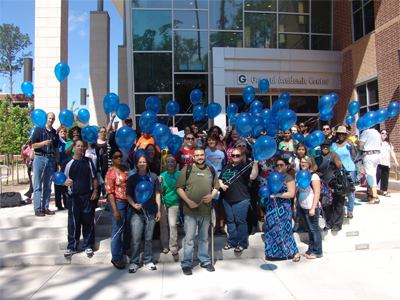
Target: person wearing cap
{"x": 344, "y": 147}
{"x": 383, "y": 170}
{"x": 326, "y": 163}
{"x": 370, "y": 144}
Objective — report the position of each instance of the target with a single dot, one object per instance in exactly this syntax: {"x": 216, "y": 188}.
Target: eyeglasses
{"x": 199, "y": 155}
{"x": 325, "y": 129}
{"x": 280, "y": 165}
{"x": 383, "y": 132}
{"x": 190, "y": 139}
{"x": 236, "y": 155}
{"x": 117, "y": 156}
{"x": 241, "y": 146}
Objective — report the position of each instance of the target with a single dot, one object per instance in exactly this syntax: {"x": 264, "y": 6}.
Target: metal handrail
{"x": 394, "y": 169}
{"x": 1, "y": 177}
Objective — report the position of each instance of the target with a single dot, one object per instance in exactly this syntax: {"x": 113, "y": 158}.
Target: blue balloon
{"x": 275, "y": 182}
{"x": 123, "y": 111}
{"x": 172, "y": 108}
{"x": 264, "y": 148}
{"x": 258, "y": 126}
{"x": 303, "y": 179}
{"x": 350, "y": 119}
{"x": 264, "y": 192}
{"x": 148, "y": 121}
{"x": 272, "y": 129}
{"x": 153, "y": 103}
{"x": 287, "y": 119}
{"x": 39, "y": 117}
{"x": 263, "y": 85}
{"x": 162, "y": 136}
{"x": 311, "y": 141}
{"x": 27, "y": 88}
{"x": 320, "y": 136}
{"x": 278, "y": 107}
{"x": 393, "y": 109}
{"x": 66, "y": 118}
{"x": 32, "y": 131}
{"x": 298, "y": 136}
{"x": 59, "y": 178}
{"x": 285, "y": 96}
{"x": 89, "y": 134}
{"x": 232, "y": 110}
{"x": 278, "y": 152}
{"x": 213, "y": 110}
{"x": 61, "y": 70}
{"x": 370, "y": 119}
{"x": 175, "y": 144}
{"x": 360, "y": 126}
{"x": 383, "y": 114}
{"x": 96, "y": 127}
{"x": 143, "y": 191}
{"x": 353, "y": 108}
{"x": 327, "y": 116}
{"x": 243, "y": 124}
{"x": 325, "y": 104}
{"x": 195, "y": 96}
{"x": 110, "y": 103}
{"x": 248, "y": 94}
{"x": 140, "y": 152}
{"x": 335, "y": 97}
{"x": 232, "y": 120}
{"x": 266, "y": 115}
{"x": 256, "y": 107}
{"x": 84, "y": 115}
{"x": 125, "y": 137}
{"x": 199, "y": 112}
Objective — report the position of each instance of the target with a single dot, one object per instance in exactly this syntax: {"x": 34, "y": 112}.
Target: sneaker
{"x": 296, "y": 227}
{"x": 89, "y": 253}
{"x": 386, "y": 194}
{"x": 133, "y": 268}
{"x": 151, "y": 266}
{"x": 187, "y": 270}
{"x": 68, "y": 254}
{"x": 208, "y": 267}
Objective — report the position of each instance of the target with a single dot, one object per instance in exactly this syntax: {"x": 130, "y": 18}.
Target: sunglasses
{"x": 117, "y": 156}
{"x": 280, "y": 165}
{"x": 236, "y": 155}
{"x": 383, "y": 132}
{"x": 325, "y": 129}
{"x": 190, "y": 139}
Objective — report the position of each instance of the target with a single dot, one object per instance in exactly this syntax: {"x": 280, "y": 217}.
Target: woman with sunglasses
{"x": 232, "y": 139}
{"x": 233, "y": 181}
{"x": 279, "y": 239}
{"x": 383, "y": 170}
{"x": 73, "y": 134}
{"x": 185, "y": 156}
{"x": 115, "y": 184}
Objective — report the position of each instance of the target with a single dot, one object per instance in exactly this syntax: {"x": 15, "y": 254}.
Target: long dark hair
{"x": 157, "y": 155}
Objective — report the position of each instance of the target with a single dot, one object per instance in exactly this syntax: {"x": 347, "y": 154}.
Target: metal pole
{"x": 28, "y": 69}
{"x": 83, "y": 96}
{"x": 100, "y": 5}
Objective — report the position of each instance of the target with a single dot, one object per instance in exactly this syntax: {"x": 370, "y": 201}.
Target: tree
{"x": 12, "y": 42}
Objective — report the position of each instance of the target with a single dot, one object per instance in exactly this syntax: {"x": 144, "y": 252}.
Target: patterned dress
{"x": 279, "y": 240}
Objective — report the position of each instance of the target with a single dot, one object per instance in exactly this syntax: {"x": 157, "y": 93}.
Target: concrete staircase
{"x": 27, "y": 240}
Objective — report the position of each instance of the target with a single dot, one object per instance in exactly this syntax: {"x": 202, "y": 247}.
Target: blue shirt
{"x": 61, "y": 150}
{"x": 345, "y": 156}
{"x": 215, "y": 159}
{"x": 41, "y": 135}
{"x": 81, "y": 171}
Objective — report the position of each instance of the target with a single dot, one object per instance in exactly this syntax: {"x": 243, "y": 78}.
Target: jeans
{"x": 191, "y": 224}
{"x": 314, "y": 231}
{"x": 30, "y": 191}
{"x": 140, "y": 224}
{"x": 236, "y": 214}
{"x": 358, "y": 170}
{"x": 121, "y": 228}
{"x": 43, "y": 169}
{"x": 170, "y": 243}
{"x": 351, "y": 196}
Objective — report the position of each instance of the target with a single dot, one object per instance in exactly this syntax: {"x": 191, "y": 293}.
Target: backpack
{"x": 189, "y": 170}
{"x": 325, "y": 197}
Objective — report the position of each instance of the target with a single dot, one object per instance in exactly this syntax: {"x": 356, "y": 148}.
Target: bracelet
{"x": 95, "y": 191}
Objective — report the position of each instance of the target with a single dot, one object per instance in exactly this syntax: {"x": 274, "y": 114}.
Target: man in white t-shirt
{"x": 370, "y": 144}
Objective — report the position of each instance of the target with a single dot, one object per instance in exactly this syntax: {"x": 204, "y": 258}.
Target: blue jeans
{"x": 139, "y": 224}
{"x": 358, "y": 171}
{"x": 190, "y": 226}
{"x": 43, "y": 169}
{"x": 314, "y": 231}
{"x": 351, "y": 196}
{"x": 236, "y": 216}
{"x": 122, "y": 227}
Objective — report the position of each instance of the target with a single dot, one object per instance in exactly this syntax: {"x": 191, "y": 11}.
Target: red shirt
{"x": 115, "y": 183}
{"x": 184, "y": 157}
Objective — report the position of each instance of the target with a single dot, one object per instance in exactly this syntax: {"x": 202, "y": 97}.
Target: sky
{"x": 22, "y": 13}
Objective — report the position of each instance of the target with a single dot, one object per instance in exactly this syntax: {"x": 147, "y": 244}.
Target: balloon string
{"x": 184, "y": 113}
{"x": 238, "y": 174}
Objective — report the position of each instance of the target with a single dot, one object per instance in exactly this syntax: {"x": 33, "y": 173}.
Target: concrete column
{"x": 218, "y": 58}
{"x": 99, "y": 66}
{"x": 51, "y": 47}
{"x": 123, "y": 77}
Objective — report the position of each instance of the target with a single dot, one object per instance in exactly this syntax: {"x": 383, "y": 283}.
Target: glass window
{"x": 190, "y": 19}
{"x": 226, "y": 39}
{"x": 151, "y": 3}
{"x": 373, "y": 92}
{"x": 260, "y": 30}
{"x": 239, "y": 101}
{"x": 369, "y": 18}
{"x": 260, "y": 5}
{"x": 160, "y": 119}
{"x": 183, "y": 121}
{"x": 356, "y": 5}
{"x": 191, "y": 51}
{"x": 296, "y": 6}
{"x": 153, "y": 72}
{"x": 358, "y": 30}
{"x": 293, "y": 41}
{"x": 293, "y": 23}
{"x": 194, "y": 4}
{"x": 363, "y": 18}
{"x": 226, "y": 14}
{"x": 152, "y": 29}
{"x": 140, "y": 102}
{"x": 362, "y": 94}
{"x": 321, "y": 42}
{"x": 184, "y": 85}
{"x": 321, "y": 16}
{"x": 304, "y": 104}
{"x": 368, "y": 97}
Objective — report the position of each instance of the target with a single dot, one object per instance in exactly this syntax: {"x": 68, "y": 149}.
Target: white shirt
{"x": 306, "y": 197}
{"x": 384, "y": 158}
{"x": 372, "y": 139}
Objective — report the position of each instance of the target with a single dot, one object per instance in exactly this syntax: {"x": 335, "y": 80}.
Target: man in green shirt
{"x": 197, "y": 191}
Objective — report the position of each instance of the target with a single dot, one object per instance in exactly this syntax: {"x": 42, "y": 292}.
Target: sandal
{"x": 350, "y": 215}
{"x": 296, "y": 258}
{"x": 165, "y": 251}
{"x": 175, "y": 252}
{"x": 262, "y": 219}
{"x": 386, "y": 194}
{"x": 238, "y": 249}
{"x": 308, "y": 256}
{"x": 118, "y": 264}
{"x": 128, "y": 253}
{"x": 227, "y": 247}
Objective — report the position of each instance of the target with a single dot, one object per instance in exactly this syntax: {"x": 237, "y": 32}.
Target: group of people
{"x": 211, "y": 171}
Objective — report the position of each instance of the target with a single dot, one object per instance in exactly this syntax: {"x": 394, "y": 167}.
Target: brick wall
{"x": 364, "y": 57}
{"x": 342, "y": 30}
{"x": 385, "y": 11}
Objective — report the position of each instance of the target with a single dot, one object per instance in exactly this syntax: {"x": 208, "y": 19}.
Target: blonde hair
{"x": 310, "y": 168}
{"x": 241, "y": 152}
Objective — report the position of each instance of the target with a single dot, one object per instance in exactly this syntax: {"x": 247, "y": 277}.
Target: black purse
{"x": 341, "y": 183}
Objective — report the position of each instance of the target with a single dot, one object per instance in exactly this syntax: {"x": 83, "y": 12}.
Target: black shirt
{"x": 326, "y": 166}
{"x": 43, "y": 134}
{"x": 81, "y": 171}
{"x": 237, "y": 190}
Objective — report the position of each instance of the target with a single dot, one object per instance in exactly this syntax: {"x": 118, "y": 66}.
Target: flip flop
{"x": 175, "y": 252}
{"x": 227, "y": 247}
{"x": 296, "y": 258}
{"x": 238, "y": 249}
{"x": 165, "y": 251}
{"x": 118, "y": 264}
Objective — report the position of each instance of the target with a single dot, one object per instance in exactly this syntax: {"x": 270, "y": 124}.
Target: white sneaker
{"x": 296, "y": 226}
{"x": 133, "y": 268}
{"x": 68, "y": 254}
{"x": 89, "y": 252}
{"x": 151, "y": 266}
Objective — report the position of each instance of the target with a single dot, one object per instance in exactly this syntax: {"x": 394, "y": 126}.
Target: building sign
{"x": 290, "y": 80}
{"x": 242, "y": 79}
